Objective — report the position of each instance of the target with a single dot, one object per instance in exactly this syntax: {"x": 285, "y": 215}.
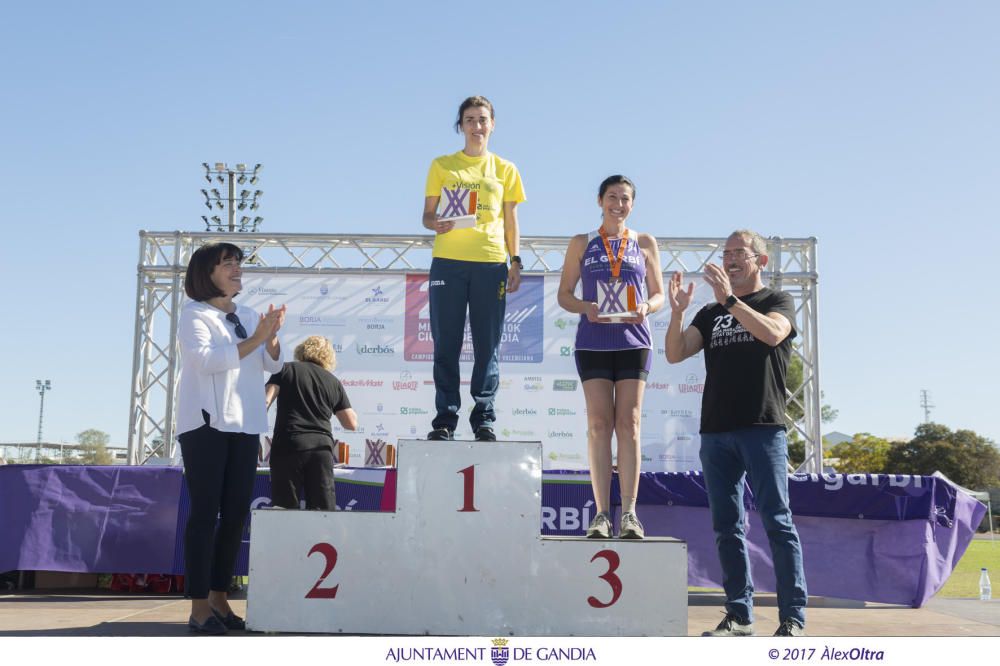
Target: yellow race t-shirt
{"x": 483, "y": 183}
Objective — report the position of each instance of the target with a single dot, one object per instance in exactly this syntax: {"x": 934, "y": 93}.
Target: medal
{"x": 615, "y": 262}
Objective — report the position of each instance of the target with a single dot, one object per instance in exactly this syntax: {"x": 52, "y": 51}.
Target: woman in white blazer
{"x": 227, "y": 353}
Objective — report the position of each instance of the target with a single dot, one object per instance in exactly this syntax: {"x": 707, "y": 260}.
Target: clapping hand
{"x": 271, "y": 322}
{"x": 678, "y": 297}
{"x": 718, "y": 280}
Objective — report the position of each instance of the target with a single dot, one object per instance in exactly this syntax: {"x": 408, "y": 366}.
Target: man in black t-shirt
{"x": 302, "y": 453}
{"x": 747, "y": 338}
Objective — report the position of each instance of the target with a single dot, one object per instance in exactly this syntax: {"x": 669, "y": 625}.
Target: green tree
{"x": 963, "y": 456}
{"x": 95, "y": 447}
{"x": 794, "y": 411}
{"x": 864, "y": 454}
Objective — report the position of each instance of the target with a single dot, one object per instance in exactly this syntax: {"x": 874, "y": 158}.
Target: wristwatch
{"x": 516, "y": 259}
{"x": 730, "y": 301}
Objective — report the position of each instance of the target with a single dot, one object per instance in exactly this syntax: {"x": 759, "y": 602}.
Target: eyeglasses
{"x": 240, "y": 331}
{"x": 738, "y": 255}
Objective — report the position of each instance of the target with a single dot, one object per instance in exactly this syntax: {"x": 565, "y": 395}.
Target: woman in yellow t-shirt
{"x": 471, "y": 202}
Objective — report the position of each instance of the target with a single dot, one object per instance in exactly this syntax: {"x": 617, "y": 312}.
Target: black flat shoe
{"x": 233, "y": 622}
{"x": 212, "y": 626}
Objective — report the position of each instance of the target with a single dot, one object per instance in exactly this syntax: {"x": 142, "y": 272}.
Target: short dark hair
{"x": 616, "y": 179}
{"x": 475, "y": 100}
{"x": 198, "y": 277}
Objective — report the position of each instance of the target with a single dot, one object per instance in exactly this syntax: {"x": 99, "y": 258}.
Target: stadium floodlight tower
{"x": 41, "y": 385}
{"x": 244, "y": 200}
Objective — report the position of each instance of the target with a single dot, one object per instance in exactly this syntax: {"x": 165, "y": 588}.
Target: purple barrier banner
{"x": 88, "y": 518}
{"x": 863, "y": 496}
{"x": 893, "y": 539}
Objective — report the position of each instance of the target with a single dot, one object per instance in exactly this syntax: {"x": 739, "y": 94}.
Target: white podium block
{"x": 462, "y": 555}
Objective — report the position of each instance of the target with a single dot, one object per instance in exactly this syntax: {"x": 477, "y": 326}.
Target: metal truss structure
{"x": 163, "y": 258}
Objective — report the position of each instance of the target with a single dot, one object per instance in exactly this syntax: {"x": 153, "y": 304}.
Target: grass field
{"x": 964, "y": 580}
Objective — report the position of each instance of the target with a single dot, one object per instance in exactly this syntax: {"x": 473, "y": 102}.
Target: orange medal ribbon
{"x": 616, "y": 262}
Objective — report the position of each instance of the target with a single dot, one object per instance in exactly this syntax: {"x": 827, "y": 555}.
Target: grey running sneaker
{"x": 630, "y": 527}
{"x": 600, "y": 527}
{"x": 441, "y": 435}
{"x": 731, "y": 625}
{"x": 790, "y": 627}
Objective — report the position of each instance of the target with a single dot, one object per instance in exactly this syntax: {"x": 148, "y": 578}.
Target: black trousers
{"x": 220, "y": 468}
{"x": 311, "y": 470}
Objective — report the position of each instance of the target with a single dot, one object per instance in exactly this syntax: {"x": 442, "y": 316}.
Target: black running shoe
{"x": 732, "y": 625}
{"x": 790, "y": 627}
{"x": 485, "y": 434}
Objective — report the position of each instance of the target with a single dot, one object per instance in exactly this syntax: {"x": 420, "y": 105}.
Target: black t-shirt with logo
{"x": 744, "y": 377}
{"x": 309, "y": 396}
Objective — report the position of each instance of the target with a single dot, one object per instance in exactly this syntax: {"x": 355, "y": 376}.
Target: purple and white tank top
{"x": 595, "y": 266}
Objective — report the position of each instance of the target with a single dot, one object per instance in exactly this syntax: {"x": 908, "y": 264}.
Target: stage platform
{"x": 76, "y": 613}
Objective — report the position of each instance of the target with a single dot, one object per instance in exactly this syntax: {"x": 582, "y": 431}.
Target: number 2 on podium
{"x": 330, "y": 553}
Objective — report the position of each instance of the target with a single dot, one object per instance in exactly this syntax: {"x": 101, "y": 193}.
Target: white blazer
{"x": 214, "y": 378}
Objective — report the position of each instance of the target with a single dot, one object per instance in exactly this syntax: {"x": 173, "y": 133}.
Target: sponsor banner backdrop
{"x": 380, "y": 328}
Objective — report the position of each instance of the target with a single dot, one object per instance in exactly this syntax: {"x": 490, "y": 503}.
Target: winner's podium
{"x": 462, "y": 555}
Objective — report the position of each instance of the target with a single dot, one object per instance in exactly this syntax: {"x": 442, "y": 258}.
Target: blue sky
{"x": 871, "y": 126}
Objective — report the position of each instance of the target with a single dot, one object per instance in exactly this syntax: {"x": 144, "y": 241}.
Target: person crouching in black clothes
{"x": 302, "y": 450}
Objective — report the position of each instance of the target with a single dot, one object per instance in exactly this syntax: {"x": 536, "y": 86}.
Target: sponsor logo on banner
{"x": 557, "y": 411}
{"x": 377, "y": 350}
{"x": 660, "y": 324}
{"x": 564, "y": 385}
{"x": 533, "y": 384}
{"x": 565, "y": 351}
{"x": 412, "y": 411}
{"x": 323, "y": 292}
{"x": 406, "y": 382}
{"x": 560, "y": 434}
{"x": 317, "y": 320}
{"x": 366, "y": 383}
{"x": 561, "y": 323}
{"x": 376, "y": 323}
{"x": 520, "y": 340}
{"x": 562, "y": 455}
{"x": 265, "y": 291}
{"x": 656, "y": 386}
{"x": 683, "y": 413}
{"x": 692, "y": 385}
{"x": 528, "y": 411}
{"x": 376, "y": 295}
{"x": 515, "y": 432}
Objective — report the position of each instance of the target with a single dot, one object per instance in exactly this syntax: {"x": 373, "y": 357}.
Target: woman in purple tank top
{"x": 621, "y": 286}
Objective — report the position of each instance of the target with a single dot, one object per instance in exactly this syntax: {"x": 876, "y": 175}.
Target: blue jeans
{"x": 760, "y": 452}
{"x": 481, "y": 288}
